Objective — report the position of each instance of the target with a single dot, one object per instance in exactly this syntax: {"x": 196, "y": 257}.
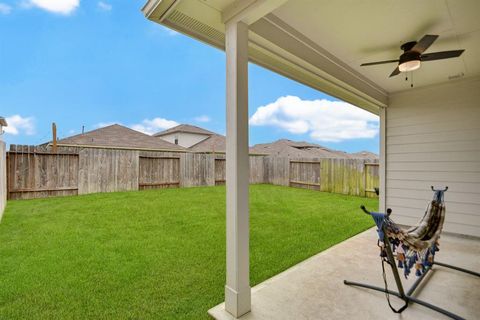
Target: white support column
{"x": 383, "y": 160}
{"x": 237, "y": 288}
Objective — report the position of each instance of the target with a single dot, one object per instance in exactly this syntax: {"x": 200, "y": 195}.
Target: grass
{"x": 156, "y": 254}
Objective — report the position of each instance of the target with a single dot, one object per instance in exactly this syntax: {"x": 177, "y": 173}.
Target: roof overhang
{"x": 273, "y": 44}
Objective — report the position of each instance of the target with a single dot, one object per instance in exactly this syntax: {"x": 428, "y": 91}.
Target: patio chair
{"x": 413, "y": 247}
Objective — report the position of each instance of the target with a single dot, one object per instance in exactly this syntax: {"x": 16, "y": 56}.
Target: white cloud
{"x": 64, "y": 7}
{"x": 151, "y": 126}
{"x": 5, "y": 8}
{"x": 202, "y": 118}
{"x": 104, "y": 124}
{"x": 104, "y": 6}
{"x": 20, "y": 125}
{"x": 323, "y": 120}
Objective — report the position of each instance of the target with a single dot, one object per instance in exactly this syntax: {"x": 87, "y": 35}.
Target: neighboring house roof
{"x": 295, "y": 149}
{"x": 184, "y": 128}
{"x": 365, "y": 155}
{"x": 300, "y": 149}
{"x": 117, "y": 136}
{"x": 214, "y": 143}
{"x": 283, "y": 148}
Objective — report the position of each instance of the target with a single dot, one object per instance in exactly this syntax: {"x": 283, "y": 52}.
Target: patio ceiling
{"x": 305, "y": 40}
{"x": 372, "y": 30}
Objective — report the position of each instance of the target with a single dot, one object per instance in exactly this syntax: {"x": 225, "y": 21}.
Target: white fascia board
{"x": 288, "y": 40}
{"x": 249, "y": 11}
{"x": 287, "y": 66}
{"x": 281, "y": 49}
{"x": 157, "y": 10}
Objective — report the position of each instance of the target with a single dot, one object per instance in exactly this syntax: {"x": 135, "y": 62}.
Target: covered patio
{"x": 314, "y": 288}
{"x": 429, "y": 132}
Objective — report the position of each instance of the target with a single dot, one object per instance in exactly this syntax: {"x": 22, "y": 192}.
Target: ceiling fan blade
{"x": 395, "y": 72}
{"x": 424, "y": 43}
{"x": 378, "y": 62}
{"x": 441, "y": 55}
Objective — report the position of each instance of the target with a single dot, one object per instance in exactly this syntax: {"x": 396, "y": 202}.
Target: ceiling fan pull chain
{"x": 411, "y": 79}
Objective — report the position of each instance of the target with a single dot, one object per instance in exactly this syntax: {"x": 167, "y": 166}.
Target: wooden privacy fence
{"x": 257, "y": 170}
{"x": 36, "y": 173}
{"x": 158, "y": 172}
{"x": 347, "y": 176}
{"x": 103, "y": 170}
{"x": 305, "y": 174}
{"x": 3, "y": 178}
{"x": 220, "y": 171}
{"x": 32, "y": 174}
{"x": 372, "y": 178}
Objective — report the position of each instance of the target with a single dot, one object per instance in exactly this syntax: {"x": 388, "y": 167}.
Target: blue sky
{"x": 91, "y": 63}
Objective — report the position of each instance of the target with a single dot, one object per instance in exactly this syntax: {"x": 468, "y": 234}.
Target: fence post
{"x": 3, "y": 178}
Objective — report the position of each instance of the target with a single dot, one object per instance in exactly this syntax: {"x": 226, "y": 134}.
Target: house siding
{"x": 433, "y": 138}
{"x": 185, "y": 139}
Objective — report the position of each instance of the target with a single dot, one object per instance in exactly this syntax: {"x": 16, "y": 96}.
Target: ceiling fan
{"x": 413, "y": 56}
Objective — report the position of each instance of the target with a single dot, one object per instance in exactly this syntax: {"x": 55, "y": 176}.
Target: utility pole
{"x": 54, "y": 140}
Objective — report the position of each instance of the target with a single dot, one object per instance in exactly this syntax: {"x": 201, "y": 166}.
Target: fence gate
{"x": 305, "y": 174}
{"x": 158, "y": 172}
{"x": 220, "y": 168}
{"x": 372, "y": 180}
{"x": 36, "y": 174}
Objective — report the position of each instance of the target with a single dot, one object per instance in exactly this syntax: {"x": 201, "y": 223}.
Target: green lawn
{"x": 156, "y": 254}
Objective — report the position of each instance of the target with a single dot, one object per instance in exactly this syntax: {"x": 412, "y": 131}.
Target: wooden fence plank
{"x": 372, "y": 179}
{"x": 220, "y": 171}
{"x": 159, "y": 172}
{"x": 35, "y": 172}
{"x": 107, "y": 170}
{"x": 197, "y": 170}
{"x": 305, "y": 174}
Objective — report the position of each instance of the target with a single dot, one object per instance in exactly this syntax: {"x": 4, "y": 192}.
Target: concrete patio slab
{"x": 314, "y": 288}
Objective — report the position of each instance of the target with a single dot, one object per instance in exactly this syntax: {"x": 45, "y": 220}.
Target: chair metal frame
{"x": 408, "y": 296}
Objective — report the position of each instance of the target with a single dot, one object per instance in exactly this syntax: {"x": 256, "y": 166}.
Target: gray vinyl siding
{"x": 433, "y": 138}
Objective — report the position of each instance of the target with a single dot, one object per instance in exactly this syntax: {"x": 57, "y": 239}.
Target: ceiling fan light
{"x": 409, "y": 65}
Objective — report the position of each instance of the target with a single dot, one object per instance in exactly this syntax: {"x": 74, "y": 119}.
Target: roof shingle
{"x": 301, "y": 149}
{"x": 117, "y": 136}
{"x": 214, "y": 143}
{"x": 184, "y": 128}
